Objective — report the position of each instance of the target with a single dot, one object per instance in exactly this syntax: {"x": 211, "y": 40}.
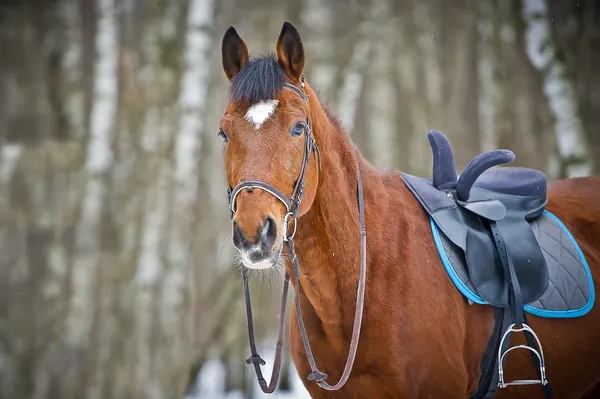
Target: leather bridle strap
{"x": 316, "y": 374}
{"x": 296, "y": 90}
{"x": 248, "y": 185}
{"x": 255, "y": 359}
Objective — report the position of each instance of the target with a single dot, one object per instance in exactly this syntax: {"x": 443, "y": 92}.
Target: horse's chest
{"x": 368, "y": 379}
{"x": 382, "y": 368}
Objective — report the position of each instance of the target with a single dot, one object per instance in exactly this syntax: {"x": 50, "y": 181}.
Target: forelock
{"x": 261, "y": 79}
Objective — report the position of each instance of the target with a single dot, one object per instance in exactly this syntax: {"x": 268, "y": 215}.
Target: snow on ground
{"x": 211, "y": 381}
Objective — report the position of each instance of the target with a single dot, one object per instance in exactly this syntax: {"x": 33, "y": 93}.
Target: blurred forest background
{"x": 116, "y": 273}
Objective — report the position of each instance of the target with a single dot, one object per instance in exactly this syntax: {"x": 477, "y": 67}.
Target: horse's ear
{"x": 234, "y": 52}
{"x": 290, "y": 51}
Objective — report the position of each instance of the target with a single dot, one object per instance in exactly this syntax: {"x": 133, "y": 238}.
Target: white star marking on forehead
{"x": 258, "y": 113}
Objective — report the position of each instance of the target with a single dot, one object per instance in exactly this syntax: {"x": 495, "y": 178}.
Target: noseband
{"x": 292, "y": 205}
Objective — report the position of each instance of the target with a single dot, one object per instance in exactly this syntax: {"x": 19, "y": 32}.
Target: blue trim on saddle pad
{"x": 473, "y": 297}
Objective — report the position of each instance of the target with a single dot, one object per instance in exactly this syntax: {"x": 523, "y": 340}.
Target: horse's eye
{"x": 223, "y": 135}
{"x": 298, "y": 129}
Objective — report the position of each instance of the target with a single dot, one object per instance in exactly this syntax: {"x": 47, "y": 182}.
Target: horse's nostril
{"x": 239, "y": 238}
{"x": 269, "y": 231}
{"x": 265, "y": 235}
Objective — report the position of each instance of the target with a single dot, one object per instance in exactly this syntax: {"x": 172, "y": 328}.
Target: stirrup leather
{"x": 540, "y": 355}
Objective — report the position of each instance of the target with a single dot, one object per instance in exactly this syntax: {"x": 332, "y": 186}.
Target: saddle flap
{"x": 428, "y": 196}
{"x": 485, "y": 269}
{"x": 489, "y": 209}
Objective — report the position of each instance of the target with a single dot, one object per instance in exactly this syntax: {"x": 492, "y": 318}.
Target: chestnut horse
{"x": 420, "y": 338}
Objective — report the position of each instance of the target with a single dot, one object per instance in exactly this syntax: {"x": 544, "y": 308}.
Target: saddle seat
{"x": 514, "y": 181}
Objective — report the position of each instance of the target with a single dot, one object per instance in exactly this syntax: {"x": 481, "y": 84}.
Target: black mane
{"x": 262, "y": 78}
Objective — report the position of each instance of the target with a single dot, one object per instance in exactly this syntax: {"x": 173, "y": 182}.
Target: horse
{"x": 302, "y": 196}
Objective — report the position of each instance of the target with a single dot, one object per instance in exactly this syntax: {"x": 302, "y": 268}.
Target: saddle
{"x": 486, "y": 214}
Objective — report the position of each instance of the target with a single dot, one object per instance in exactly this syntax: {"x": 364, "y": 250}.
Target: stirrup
{"x": 540, "y": 355}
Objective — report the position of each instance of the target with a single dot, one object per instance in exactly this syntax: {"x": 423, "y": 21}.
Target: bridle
{"x": 292, "y": 205}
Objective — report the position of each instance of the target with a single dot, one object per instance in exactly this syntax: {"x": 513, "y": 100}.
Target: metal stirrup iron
{"x": 501, "y": 355}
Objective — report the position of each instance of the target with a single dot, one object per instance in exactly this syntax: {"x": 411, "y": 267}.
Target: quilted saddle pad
{"x": 570, "y": 290}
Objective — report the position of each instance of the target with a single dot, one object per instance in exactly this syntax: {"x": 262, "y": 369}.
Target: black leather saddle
{"x": 486, "y": 212}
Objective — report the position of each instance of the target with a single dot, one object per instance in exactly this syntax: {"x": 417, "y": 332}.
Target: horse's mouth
{"x": 264, "y": 263}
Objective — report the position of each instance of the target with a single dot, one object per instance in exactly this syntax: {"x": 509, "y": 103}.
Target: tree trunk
{"x": 574, "y": 37}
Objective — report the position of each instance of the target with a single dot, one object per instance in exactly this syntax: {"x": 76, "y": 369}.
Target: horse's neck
{"x": 328, "y": 239}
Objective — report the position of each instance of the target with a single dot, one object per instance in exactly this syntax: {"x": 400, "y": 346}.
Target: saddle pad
{"x": 570, "y": 290}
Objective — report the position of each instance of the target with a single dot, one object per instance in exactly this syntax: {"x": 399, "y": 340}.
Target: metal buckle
{"x": 540, "y": 356}
{"x": 286, "y": 221}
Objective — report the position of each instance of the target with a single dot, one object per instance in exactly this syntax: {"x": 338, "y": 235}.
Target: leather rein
{"x": 292, "y": 205}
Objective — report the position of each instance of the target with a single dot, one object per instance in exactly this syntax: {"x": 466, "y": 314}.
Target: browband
{"x": 296, "y": 90}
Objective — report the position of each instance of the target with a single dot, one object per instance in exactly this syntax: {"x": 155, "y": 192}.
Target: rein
{"x": 292, "y": 205}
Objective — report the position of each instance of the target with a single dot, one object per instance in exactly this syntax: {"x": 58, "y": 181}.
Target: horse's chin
{"x": 262, "y": 264}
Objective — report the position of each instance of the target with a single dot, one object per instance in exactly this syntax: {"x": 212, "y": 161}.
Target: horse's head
{"x": 269, "y": 149}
